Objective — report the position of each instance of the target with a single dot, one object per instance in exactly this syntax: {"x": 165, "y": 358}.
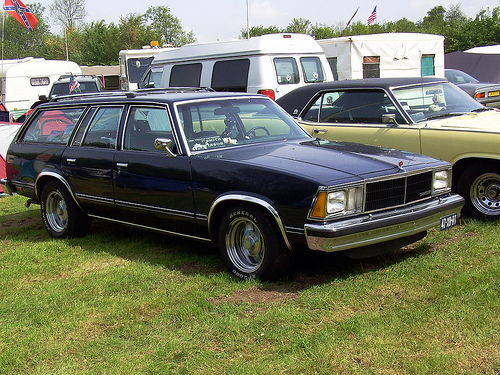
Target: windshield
{"x": 230, "y": 122}
{"x": 435, "y": 100}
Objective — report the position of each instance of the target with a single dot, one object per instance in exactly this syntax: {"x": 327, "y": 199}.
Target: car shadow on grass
{"x": 198, "y": 258}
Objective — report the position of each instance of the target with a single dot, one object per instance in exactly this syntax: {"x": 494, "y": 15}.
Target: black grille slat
{"x": 397, "y": 192}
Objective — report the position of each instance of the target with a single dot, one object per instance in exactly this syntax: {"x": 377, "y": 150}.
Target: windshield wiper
{"x": 449, "y": 114}
{"x": 483, "y": 109}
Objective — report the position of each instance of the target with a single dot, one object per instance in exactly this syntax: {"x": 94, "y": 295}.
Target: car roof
{"x": 169, "y": 95}
{"x": 299, "y": 97}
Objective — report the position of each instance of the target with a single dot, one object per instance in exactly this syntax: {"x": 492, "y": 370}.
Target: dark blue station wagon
{"x": 227, "y": 168}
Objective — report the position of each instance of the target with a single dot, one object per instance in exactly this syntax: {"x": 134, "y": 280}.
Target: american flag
{"x": 373, "y": 16}
{"x": 73, "y": 83}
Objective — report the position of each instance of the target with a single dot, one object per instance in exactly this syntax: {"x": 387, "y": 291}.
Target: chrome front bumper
{"x": 381, "y": 226}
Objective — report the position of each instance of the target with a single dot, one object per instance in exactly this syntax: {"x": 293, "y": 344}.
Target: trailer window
{"x": 231, "y": 75}
{"x": 286, "y": 70}
{"x": 185, "y": 75}
{"x": 312, "y": 69}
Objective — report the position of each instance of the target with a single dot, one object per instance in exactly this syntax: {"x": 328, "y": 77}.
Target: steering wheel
{"x": 252, "y": 131}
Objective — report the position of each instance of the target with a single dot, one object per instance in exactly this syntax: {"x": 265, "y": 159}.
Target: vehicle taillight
{"x": 269, "y": 93}
{"x": 480, "y": 95}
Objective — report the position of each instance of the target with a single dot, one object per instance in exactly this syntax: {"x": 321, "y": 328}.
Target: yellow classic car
{"x": 425, "y": 115}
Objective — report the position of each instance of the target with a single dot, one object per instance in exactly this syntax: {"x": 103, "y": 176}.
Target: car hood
{"x": 328, "y": 162}
{"x": 487, "y": 121}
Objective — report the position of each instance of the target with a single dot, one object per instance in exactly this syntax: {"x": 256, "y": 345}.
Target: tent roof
{"x": 483, "y": 67}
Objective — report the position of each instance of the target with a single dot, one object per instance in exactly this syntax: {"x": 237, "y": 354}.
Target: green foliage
{"x": 99, "y": 43}
{"x": 166, "y": 27}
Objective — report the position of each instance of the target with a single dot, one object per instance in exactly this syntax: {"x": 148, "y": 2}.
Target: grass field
{"x": 124, "y": 301}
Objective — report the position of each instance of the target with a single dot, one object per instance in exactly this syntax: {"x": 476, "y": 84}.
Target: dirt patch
{"x": 255, "y": 296}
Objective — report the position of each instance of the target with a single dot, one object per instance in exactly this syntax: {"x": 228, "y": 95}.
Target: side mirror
{"x": 164, "y": 144}
{"x": 390, "y": 119}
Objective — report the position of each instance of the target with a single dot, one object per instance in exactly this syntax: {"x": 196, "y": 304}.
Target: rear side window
{"x": 102, "y": 130}
{"x": 231, "y": 75}
{"x": 186, "y": 75}
{"x": 286, "y": 70}
{"x": 52, "y": 126}
{"x": 312, "y": 68}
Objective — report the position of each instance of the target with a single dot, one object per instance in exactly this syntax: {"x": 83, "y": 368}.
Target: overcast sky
{"x": 212, "y": 20}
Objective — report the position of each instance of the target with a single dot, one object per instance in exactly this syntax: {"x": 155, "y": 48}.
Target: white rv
{"x": 385, "y": 55}
{"x": 134, "y": 62}
{"x": 271, "y": 64}
{"x": 23, "y": 81}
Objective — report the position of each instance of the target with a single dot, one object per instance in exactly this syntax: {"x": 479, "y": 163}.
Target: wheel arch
{"x": 461, "y": 165}
{"x": 46, "y": 176}
{"x": 223, "y": 202}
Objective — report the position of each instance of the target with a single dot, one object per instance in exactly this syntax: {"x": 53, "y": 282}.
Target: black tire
{"x": 251, "y": 246}
{"x": 480, "y": 187}
{"x": 61, "y": 216}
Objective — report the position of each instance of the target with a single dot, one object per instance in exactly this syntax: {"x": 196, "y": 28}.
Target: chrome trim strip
{"x": 370, "y": 229}
{"x": 158, "y": 209}
{"x": 95, "y": 198}
{"x": 260, "y": 202}
{"x": 152, "y": 229}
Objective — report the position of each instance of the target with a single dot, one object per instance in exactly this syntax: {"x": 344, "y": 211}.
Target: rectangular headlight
{"x": 342, "y": 201}
{"x": 441, "y": 180}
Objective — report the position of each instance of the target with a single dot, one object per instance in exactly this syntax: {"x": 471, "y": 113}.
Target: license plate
{"x": 449, "y": 221}
{"x": 494, "y": 93}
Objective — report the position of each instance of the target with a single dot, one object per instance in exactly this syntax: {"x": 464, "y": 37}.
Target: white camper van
{"x": 23, "y": 81}
{"x": 385, "y": 55}
{"x": 134, "y": 62}
{"x": 271, "y": 64}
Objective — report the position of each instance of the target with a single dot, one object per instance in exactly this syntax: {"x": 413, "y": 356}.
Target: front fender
{"x": 224, "y": 200}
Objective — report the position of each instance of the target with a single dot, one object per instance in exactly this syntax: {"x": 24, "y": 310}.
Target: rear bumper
{"x": 7, "y": 186}
{"x": 381, "y": 226}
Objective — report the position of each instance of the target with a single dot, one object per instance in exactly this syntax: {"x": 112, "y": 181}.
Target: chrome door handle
{"x": 320, "y": 131}
{"x": 122, "y": 165}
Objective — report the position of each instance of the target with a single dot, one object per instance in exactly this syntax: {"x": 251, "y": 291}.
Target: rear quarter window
{"x": 52, "y": 126}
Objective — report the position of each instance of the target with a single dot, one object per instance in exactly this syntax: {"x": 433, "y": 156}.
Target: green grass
{"x": 124, "y": 301}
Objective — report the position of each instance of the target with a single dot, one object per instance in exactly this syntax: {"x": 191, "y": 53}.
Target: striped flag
{"x": 21, "y": 13}
{"x": 373, "y": 16}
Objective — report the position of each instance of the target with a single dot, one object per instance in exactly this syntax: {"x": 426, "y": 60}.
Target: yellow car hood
{"x": 488, "y": 121}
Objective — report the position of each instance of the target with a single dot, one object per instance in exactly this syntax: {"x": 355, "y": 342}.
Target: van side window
{"x": 185, "y": 75}
{"x": 52, "y": 126}
{"x": 286, "y": 70}
{"x": 230, "y": 75}
{"x": 312, "y": 69}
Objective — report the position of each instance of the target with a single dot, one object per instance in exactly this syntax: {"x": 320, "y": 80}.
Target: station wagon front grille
{"x": 397, "y": 192}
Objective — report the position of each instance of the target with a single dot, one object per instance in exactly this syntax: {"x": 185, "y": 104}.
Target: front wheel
{"x": 480, "y": 187}
{"x": 251, "y": 246}
{"x": 61, "y": 216}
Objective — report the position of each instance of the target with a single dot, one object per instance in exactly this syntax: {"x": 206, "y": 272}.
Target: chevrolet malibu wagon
{"x": 430, "y": 116}
{"x": 231, "y": 169}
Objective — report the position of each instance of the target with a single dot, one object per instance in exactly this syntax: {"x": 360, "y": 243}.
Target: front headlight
{"x": 342, "y": 201}
{"x": 441, "y": 181}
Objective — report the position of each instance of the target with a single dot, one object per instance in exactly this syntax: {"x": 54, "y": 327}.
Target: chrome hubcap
{"x": 56, "y": 211}
{"x": 485, "y": 193}
{"x": 245, "y": 245}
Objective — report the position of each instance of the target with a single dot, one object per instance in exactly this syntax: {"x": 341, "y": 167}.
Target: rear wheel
{"x": 61, "y": 216}
{"x": 251, "y": 246}
{"x": 480, "y": 187}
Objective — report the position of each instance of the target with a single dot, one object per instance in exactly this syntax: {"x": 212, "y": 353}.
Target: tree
{"x": 100, "y": 44}
{"x": 259, "y": 30}
{"x": 166, "y": 27}
{"x": 67, "y": 12}
{"x": 133, "y": 32}
{"x": 300, "y": 26}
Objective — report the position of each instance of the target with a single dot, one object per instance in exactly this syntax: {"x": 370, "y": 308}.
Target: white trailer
{"x": 23, "y": 81}
{"x": 385, "y": 55}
